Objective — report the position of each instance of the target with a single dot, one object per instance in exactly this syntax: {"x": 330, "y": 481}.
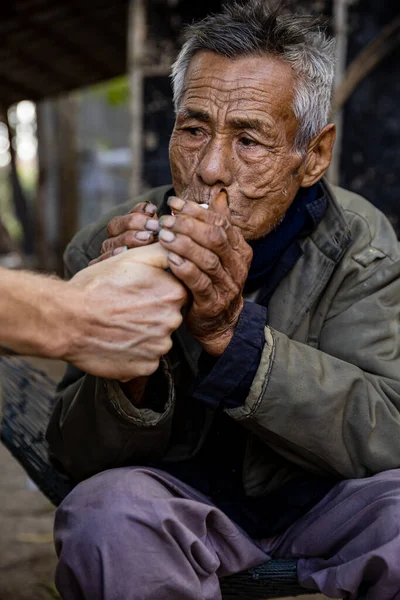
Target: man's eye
{"x": 195, "y": 131}
{"x": 248, "y": 142}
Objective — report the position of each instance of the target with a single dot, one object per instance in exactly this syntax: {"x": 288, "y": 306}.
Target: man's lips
{"x": 205, "y": 205}
{"x": 233, "y": 213}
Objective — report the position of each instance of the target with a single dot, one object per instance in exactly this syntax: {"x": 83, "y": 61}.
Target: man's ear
{"x": 319, "y": 155}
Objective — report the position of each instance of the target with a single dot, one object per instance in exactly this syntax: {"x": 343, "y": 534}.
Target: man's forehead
{"x": 242, "y": 82}
{"x": 261, "y": 70}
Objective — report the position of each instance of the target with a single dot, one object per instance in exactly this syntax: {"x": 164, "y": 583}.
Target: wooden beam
{"x": 340, "y": 24}
{"x": 156, "y": 70}
{"x": 20, "y": 201}
{"x": 367, "y": 60}
{"x": 137, "y": 34}
{"x": 42, "y": 249}
{"x": 68, "y": 196}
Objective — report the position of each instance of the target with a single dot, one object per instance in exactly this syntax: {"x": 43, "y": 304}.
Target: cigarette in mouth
{"x": 222, "y": 192}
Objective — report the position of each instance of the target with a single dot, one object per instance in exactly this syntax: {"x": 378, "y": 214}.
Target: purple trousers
{"x": 139, "y": 534}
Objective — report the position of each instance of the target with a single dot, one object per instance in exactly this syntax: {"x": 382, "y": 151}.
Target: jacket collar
{"x": 332, "y": 236}
{"x": 321, "y": 251}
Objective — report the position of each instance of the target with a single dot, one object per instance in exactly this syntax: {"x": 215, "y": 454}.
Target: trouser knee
{"x": 99, "y": 511}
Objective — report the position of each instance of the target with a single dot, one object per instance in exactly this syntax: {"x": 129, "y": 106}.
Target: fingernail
{"x": 150, "y": 209}
{"x": 119, "y": 250}
{"x": 175, "y": 203}
{"x": 166, "y": 236}
{"x": 175, "y": 259}
{"x": 143, "y": 236}
{"x": 167, "y": 221}
{"x": 152, "y": 224}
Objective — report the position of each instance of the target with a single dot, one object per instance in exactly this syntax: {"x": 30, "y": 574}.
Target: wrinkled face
{"x": 235, "y": 130}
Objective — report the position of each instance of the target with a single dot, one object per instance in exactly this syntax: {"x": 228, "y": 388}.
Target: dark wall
{"x": 166, "y": 25}
{"x": 370, "y": 163}
{"x": 158, "y": 124}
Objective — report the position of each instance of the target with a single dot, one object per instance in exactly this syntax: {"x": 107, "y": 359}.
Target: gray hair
{"x": 254, "y": 28}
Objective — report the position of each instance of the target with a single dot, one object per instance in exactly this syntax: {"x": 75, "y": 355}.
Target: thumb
{"x": 220, "y": 205}
{"x": 154, "y": 255}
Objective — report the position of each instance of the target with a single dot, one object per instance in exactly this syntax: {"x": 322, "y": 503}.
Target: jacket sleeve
{"x": 94, "y": 427}
{"x": 335, "y": 408}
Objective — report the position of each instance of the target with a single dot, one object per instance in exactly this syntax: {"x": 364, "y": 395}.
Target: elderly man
{"x": 271, "y": 427}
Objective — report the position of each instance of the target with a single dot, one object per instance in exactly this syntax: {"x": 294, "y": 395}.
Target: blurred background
{"x": 86, "y": 111}
{"x": 85, "y": 119}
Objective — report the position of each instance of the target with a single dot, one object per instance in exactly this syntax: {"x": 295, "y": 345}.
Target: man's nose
{"x": 215, "y": 163}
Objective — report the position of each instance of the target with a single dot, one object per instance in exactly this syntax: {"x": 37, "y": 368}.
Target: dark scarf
{"x": 298, "y": 221}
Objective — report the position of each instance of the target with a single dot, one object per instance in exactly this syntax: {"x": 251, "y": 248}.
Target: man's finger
{"x": 193, "y": 278}
{"x": 227, "y": 243}
{"x": 205, "y": 261}
{"x": 144, "y": 207}
{"x": 129, "y": 222}
{"x": 154, "y": 255}
{"x": 200, "y": 213}
{"x": 220, "y": 205}
{"x": 101, "y": 258}
{"x": 131, "y": 239}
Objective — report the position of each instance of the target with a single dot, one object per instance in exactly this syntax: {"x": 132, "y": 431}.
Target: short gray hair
{"x": 254, "y": 28}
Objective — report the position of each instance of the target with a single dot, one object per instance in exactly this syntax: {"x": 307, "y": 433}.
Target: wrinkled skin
{"x": 235, "y": 131}
{"x": 212, "y": 148}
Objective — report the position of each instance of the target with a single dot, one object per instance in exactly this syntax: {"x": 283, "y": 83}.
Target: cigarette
{"x": 202, "y": 205}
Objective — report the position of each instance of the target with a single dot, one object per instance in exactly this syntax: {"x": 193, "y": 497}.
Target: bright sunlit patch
{"x": 4, "y": 144}
{"x": 5, "y": 159}
{"x": 27, "y": 148}
{"x": 25, "y": 111}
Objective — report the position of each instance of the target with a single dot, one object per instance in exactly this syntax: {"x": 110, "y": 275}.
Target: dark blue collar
{"x": 302, "y": 217}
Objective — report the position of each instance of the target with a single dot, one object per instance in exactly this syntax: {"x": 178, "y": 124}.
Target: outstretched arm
{"x": 88, "y": 321}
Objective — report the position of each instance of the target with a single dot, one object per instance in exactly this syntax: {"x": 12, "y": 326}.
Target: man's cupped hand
{"x": 210, "y": 256}
{"x": 130, "y": 231}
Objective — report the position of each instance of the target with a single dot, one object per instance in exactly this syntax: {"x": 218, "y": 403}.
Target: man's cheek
{"x": 260, "y": 181}
{"x": 183, "y": 165}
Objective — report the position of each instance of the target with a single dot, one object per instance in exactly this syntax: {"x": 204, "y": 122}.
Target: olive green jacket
{"x": 326, "y": 395}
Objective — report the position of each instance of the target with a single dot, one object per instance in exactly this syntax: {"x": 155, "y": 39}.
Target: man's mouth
{"x": 203, "y": 204}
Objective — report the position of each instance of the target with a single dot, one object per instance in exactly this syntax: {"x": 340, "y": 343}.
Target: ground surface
{"x": 27, "y": 558}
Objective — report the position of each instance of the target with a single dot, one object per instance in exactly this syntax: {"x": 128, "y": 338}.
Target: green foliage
{"x": 115, "y": 91}
{"x": 28, "y": 177}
